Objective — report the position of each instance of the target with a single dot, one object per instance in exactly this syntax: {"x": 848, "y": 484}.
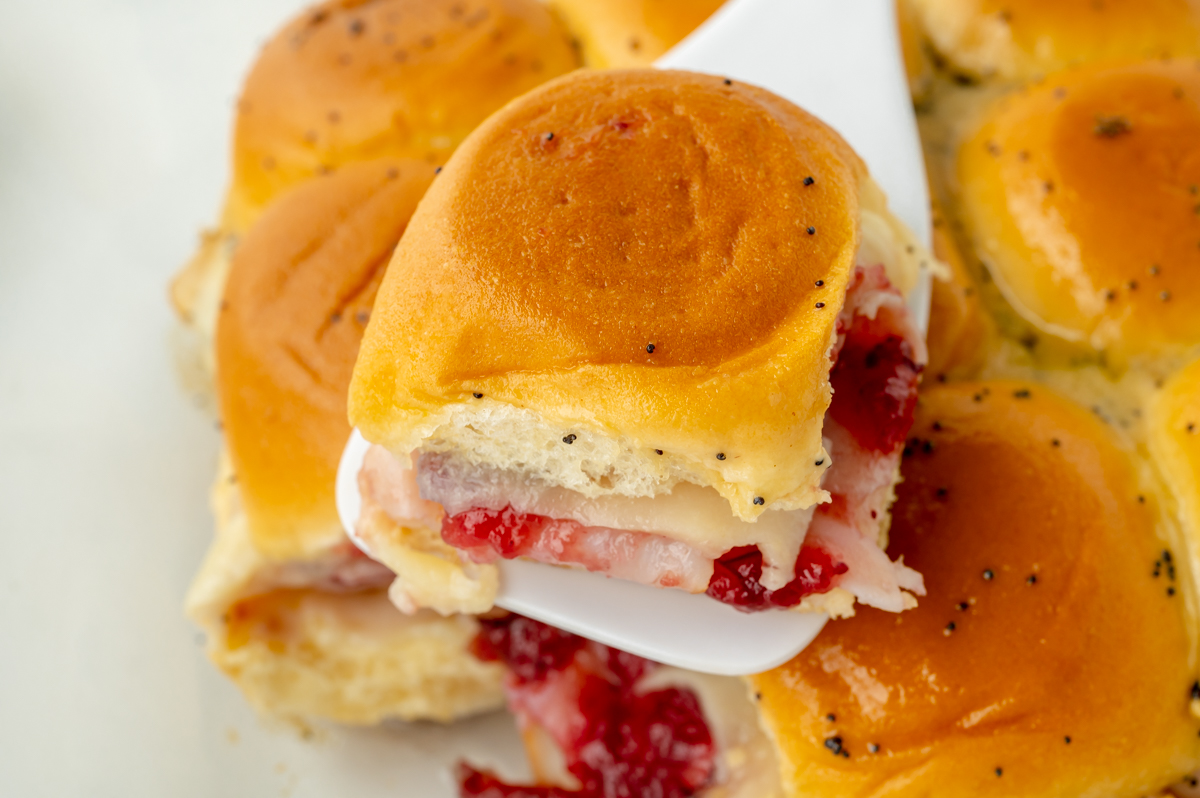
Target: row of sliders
{"x": 1028, "y": 631}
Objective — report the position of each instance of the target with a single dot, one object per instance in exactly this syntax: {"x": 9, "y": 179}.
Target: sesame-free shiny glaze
{"x": 350, "y": 81}
{"x": 297, "y": 300}
{"x": 1046, "y": 660}
{"x": 1028, "y": 38}
{"x": 1083, "y": 198}
{"x": 627, "y": 33}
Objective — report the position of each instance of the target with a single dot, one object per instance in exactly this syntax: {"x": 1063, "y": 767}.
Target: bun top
{"x": 1081, "y": 196}
{"x": 1030, "y": 38}
{"x": 1047, "y": 658}
{"x": 299, "y": 293}
{"x": 351, "y": 81}
{"x": 631, "y": 33}
{"x": 628, "y": 252}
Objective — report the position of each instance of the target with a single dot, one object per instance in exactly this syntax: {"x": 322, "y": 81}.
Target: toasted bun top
{"x": 631, "y": 33}
{"x": 605, "y": 215}
{"x": 1023, "y": 509}
{"x": 298, "y": 296}
{"x": 1029, "y": 38}
{"x": 1081, "y": 196}
{"x": 1175, "y": 444}
{"x": 350, "y": 81}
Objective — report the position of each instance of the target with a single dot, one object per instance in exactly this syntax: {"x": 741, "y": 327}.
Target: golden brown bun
{"x": 959, "y": 328}
{"x": 298, "y": 297}
{"x": 1081, "y": 197}
{"x": 631, "y": 33}
{"x": 1029, "y": 38}
{"x": 305, "y": 653}
{"x": 1175, "y": 445}
{"x": 603, "y": 213}
{"x": 1018, "y": 483}
{"x": 351, "y": 81}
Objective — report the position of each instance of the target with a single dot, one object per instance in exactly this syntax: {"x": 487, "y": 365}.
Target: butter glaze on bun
{"x": 1081, "y": 197}
{"x": 630, "y": 33}
{"x": 296, "y": 302}
{"x": 624, "y": 257}
{"x": 1030, "y": 38}
{"x": 351, "y": 81}
{"x": 1067, "y": 672}
{"x": 294, "y": 615}
{"x": 1175, "y": 445}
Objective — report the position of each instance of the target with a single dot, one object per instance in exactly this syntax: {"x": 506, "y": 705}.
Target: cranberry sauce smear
{"x": 487, "y": 534}
{"x": 874, "y": 382}
{"x": 736, "y": 575}
{"x": 625, "y": 743}
{"x": 529, "y": 649}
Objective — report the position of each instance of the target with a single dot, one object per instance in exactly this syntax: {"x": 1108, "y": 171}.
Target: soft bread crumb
{"x": 837, "y": 603}
{"x": 594, "y": 464}
{"x": 429, "y": 572}
{"x": 353, "y": 659}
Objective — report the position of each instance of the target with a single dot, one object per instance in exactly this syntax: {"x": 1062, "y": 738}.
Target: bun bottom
{"x": 302, "y": 653}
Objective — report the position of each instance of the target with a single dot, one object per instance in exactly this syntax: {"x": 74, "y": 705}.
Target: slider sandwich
{"x": 293, "y": 612}
{"x": 649, "y": 324}
{"x": 1054, "y": 654}
{"x": 339, "y": 129}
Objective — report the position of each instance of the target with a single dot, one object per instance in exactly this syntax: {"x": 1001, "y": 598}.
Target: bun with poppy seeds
{"x": 1053, "y": 653}
{"x": 607, "y": 339}
{"x": 1080, "y": 196}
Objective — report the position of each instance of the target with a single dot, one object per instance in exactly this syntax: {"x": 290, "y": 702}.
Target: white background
{"x": 114, "y": 120}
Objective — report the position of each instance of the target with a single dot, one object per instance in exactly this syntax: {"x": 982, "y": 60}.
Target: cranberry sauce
{"x": 619, "y": 742}
{"x": 529, "y": 649}
{"x": 874, "y": 382}
{"x": 487, "y": 534}
{"x": 736, "y": 575}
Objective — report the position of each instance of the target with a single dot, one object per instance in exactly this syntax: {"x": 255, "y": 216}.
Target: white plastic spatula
{"x": 840, "y": 60}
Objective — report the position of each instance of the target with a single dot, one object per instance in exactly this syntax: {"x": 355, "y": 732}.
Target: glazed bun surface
{"x": 298, "y": 297}
{"x": 1081, "y": 197}
{"x": 630, "y": 33}
{"x": 1175, "y": 445}
{"x": 624, "y": 257}
{"x": 1047, "y": 658}
{"x": 348, "y": 81}
{"x": 1030, "y": 38}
